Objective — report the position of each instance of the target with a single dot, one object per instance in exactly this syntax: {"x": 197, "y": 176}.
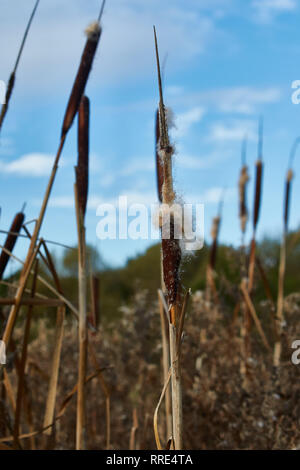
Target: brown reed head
{"x": 243, "y": 180}
{"x": 82, "y": 169}
{"x": 159, "y": 163}
{"x": 171, "y": 258}
{"x": 258, "y": 192}
{"x": 11, "y": 240}
{"x": 93, "y": 33}
{"x": 288, "y": 184}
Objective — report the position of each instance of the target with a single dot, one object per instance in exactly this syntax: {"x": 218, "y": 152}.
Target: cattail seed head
{"x": 93, "y": 35}
{"x": 11, "y": 240}
{"x": 159, "y": 163}
{"x": 243, "y": 213}
{"x": 82, "y": 169}
{"x": 258, "y": 191}
{"x": 288, "y": 184}
{"x": 171, "y": 254}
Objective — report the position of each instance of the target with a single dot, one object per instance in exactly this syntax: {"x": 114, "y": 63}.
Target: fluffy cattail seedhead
{"x": 82, "y": 169}
{"x": 93, "y": 36}
{"x": 11, "y": 240}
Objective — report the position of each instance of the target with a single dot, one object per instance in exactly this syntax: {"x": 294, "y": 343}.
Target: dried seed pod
{"x": 288, "y": 183}
{"x": 171, "y": 254}
{"x": 11, "y": 240}
{"x": 214, "y": 235}
{"x": 159, "y": 163}
{"x": 93, "y": 33}
{"x": 82, "y": 169}
{"x": 243, "y": 213}
{"x": 258, "y": 192}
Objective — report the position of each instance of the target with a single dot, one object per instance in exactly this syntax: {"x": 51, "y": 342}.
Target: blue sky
{"x": 227, "y": 61}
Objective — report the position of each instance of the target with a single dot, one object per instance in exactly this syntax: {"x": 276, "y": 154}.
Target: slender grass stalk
{"x": 210, "y": 271}
{"x": 93, "y": 36}
{"x": 21, "y": 378}
{"x": 106, "y": 392}
{"x": 52, "y": 390}
{"x": 282, "y": 263}
{"x": 12, "y": 78}
{"x": 256, "y": 212}
{"x": 166, "y": 364}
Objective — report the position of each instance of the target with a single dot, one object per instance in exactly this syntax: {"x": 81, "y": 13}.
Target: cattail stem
{"x": 166, "y": 365}
{"x": 52, "y": 390}
{"x": 82, "y": 333}
{"x": 21, "y": 378}
{"x": 282, "y": 266}
{"x": 12, "y": 77}
{"x": 176, "y": 389}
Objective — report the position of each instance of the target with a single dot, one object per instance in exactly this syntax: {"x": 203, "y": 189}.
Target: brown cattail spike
{"x": 159, "y": 163}
{"x": 82, "y": 169}
{"x": 11, "y": 240}
{"x": 258, "y": 191}
{"x": 93, "y": 33}
{"x": 288, "y": 184}
{"x": 243, "y": 180}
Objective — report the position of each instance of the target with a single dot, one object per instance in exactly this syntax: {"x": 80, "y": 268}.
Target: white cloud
{"x": 184, "y": 121}
{"x": 266, "y": 10}
{"x": 32, "y": 164}
{"x": 240, "y": 100}
{"x": 214, "y": 195}
{"x": 236, "y": 130}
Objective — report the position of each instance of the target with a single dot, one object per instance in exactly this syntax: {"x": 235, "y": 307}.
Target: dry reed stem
{"x": 56, "y": 355}
{"x": 12, "y": 77}
{"x": 254, "y": 315}
{"x": 106, "y": 392}
{"x": 133, "y": 432}
{"x": 19, "y": 294}
{"x": 21, "y": 373}
{"x": 166, "y": 365}
{"x": 82, "y": 331}
{"x": 282, "y": 267}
